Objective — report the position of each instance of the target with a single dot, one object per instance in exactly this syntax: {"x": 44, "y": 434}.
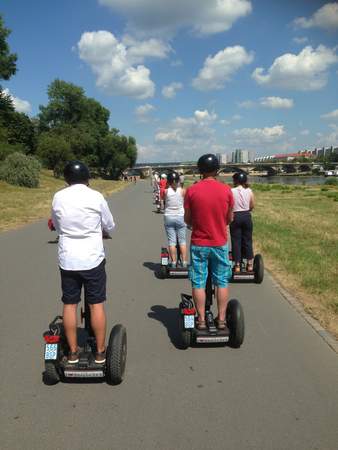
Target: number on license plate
{"x": 189, "y": 321}
{"x": 164, "y": 261}
{"x": 51, "y": 351}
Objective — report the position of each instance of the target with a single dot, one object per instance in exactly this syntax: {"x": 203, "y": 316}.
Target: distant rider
{"x": 208, "y": 209}
{"x": 241, "y": 227}
{"x": 81, "y": 217}
{"x": 174, "y": 219}
{"x": 163, "y": 187}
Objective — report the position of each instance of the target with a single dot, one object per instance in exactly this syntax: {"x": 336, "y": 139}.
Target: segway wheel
{"x": 163, "y": 272}
{"x": 116, "y": 355}
{"x": 186, "y": 338}
{"x": 51, "y": 375}
{"x": 258, "y": 267}
{"x": 235, "y": 322}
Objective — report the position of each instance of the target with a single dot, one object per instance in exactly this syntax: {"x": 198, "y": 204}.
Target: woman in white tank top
{"x": 174, "y": 219}
{"x": 241, "y": 227}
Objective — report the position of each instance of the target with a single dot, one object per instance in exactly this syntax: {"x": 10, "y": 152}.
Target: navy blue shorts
{"x": 93, "y": 281}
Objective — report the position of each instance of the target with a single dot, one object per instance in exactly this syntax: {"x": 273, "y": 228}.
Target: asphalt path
{"x": 278, "y": 391}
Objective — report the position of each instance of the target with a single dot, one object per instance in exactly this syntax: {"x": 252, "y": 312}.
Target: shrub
{"x": 21, "y": 170}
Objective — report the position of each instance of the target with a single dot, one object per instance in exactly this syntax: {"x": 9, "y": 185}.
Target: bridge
{"x": 266, "y": 168}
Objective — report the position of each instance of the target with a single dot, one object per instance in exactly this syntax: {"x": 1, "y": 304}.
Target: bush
{"x": 21, "y": 170}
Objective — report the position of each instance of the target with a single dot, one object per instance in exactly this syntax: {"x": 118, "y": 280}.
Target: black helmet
{"x": 208, "y": 163}
{"x": 240, "y": 177}
{"x": 173, "y": 177}
{"x": 76, "y": 172}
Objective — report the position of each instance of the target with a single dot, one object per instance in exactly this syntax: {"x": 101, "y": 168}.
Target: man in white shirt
{"x": 81, "y": 217}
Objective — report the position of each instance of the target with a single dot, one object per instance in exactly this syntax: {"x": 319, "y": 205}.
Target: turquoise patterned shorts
{"x": 219, "y": 264}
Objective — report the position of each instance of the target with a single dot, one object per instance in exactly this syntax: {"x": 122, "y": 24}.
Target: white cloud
{"x": 247, "y": 104}
{"x": 276, "y": 102}
{"x": 142, "y": 112}
{"x": 304, "y": 132}
{"x": 219, "y": 69}
{"x": 186, "y": 137}
{"x": 300, "y": 40}
{"x": 20, "y": 105}
{"x": 328, "y": 139}
{"x": 306, "y": 71}
{"x": 162, "y": 16}
{"x": 259, "y": 135}
{"x": 331, "y": 115}
{"x": 225, "y": 122}
{"x": 325, "y": 17}
{"x": 205, "y": 116}
{"x": 137, "y": 50}
{"x": 115, "y": 63}
{"x": 170, "y": 91}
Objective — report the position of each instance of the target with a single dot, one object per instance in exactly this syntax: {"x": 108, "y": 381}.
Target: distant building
{"x": 224, "y": 158}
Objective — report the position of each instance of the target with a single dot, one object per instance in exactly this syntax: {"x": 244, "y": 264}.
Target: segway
{"x": 244, "y": 275}
{"x": 172, "y": 272}
{"x": 232, "y": 335}
{"x": 58, "y": 368}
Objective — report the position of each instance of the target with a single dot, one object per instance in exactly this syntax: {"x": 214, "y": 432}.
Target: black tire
{"x": 116, "y": 355}
{"x": 258, "y": 267}
{"x": 235, "y": 322}
{"x": 163, "y": 272}
{"x": 186, "y": 338}
{"x": 50, "y": 376}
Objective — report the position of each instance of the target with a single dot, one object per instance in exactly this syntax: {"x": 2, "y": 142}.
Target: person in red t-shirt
{"x": 163, "y": 187}
{"x": 208, "y": 210}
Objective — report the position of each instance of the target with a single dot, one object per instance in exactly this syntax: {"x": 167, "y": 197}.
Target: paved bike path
{"x": 278, "y": 391}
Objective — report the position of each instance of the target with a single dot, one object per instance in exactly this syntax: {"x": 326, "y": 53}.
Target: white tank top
{"x": 242, "y": 198}
{"x": 174, "y": 202}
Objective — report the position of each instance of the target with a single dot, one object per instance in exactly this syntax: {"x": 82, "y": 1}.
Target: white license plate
{"x": 84, "y": 374}
{"x": 164, "y": 261}
{"x": 189, "y": 321}
{"x": 51, "y": 351}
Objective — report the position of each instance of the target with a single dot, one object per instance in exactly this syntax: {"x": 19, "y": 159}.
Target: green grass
{"x": 20, "y": 205}
{"x": 298, "y": 233}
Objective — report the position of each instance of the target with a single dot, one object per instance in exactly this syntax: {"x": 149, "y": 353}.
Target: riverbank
{"x": 20, "y": 206}
{"x": 296, "y": 230}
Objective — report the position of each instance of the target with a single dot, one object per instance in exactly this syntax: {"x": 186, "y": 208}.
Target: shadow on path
{"x": 155, "y": 267}
{"x": 169, "y": 318}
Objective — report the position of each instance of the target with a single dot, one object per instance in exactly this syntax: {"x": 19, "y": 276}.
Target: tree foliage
{"x": 7, "y": 59}
{"x": 82, "y": 123}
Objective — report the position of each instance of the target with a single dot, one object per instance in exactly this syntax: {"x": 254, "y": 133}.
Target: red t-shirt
{"x": 209, "y": 202}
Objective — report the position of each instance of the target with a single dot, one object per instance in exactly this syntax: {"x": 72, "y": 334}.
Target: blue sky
{"x": 187, "y": 77}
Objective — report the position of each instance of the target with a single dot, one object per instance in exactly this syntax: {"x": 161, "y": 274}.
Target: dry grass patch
{"x": 20, "y": 206}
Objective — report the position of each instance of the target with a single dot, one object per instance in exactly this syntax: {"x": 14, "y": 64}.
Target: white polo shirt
{"x": 79, "y": 215}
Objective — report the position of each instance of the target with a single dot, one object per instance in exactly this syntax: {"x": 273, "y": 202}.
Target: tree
{"x": 7, "y": 59}
{"x": 81, "y": 126}
{"x": 54, "y": 151}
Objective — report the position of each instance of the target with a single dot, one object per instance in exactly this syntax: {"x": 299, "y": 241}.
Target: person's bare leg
{"x": 98, "y": 323}
{"x": 198, "y": 294}
{"x": 70, "y": 325}
{"x": 173, "y": 253}
{"x": 222, "y": 300}
{"x": 183, "y": 250}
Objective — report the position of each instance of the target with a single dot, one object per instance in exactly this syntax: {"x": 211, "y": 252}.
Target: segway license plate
{"x": 189, "y": 321}
{"x": 164, "y": 261}
{"x": 51, "y": 351}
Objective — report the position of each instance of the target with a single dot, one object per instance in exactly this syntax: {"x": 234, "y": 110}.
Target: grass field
{"x": 20, "y": 206}
{"x": 296, "y": 230}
